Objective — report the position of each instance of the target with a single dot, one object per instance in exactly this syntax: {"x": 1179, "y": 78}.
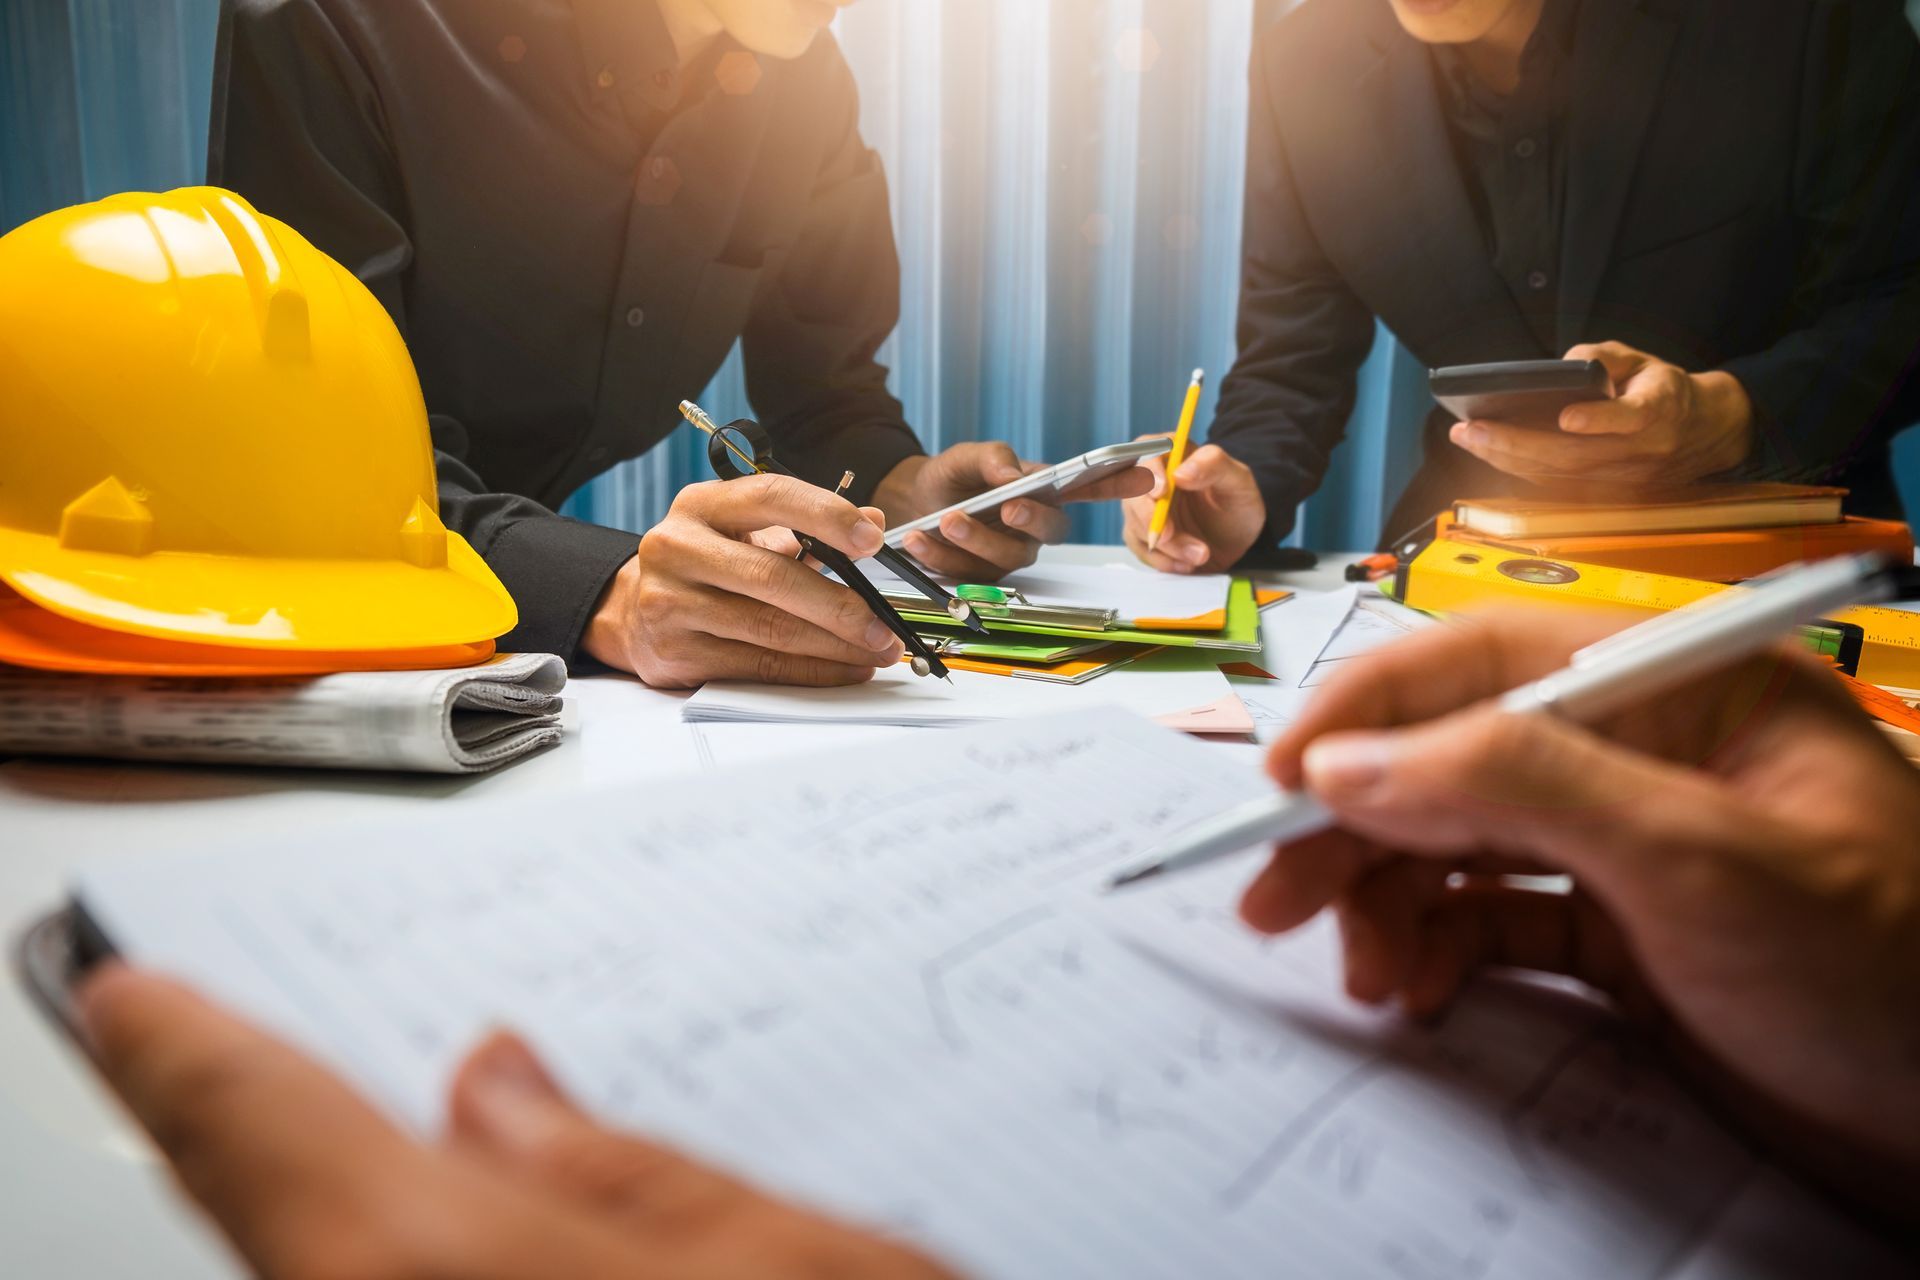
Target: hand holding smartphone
{"x": 1519, "y": 393}
{"x": 1050, "y": 485}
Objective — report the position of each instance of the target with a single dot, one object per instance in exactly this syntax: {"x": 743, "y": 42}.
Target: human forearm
{"x": 897, "y": 493}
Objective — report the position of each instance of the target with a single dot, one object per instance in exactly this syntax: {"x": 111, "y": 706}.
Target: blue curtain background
{"x": 1066, "y": 180}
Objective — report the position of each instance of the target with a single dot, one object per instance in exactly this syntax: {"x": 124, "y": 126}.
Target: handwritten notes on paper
{"x": 877, "y": 982}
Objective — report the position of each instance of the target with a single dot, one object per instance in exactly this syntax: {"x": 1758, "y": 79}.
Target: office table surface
{"x": 81, "y": 1193}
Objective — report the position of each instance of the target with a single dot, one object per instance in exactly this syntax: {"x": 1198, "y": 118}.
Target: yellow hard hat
{"x": 210, "y": 431}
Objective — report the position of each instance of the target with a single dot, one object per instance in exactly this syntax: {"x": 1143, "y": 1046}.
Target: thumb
{"x": 506, "y": 1109}
{"x": 997, "y": 463}
{"x": 283, "y": 1155}
{"x": 1156, "y": 469}
{"x": 1205, "y": 468}
{"x": 1528, "y": 784}
{"x": 1620, "y": 360}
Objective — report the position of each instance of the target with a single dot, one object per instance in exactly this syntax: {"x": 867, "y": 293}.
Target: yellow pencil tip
{"x": 1199, "y": 375}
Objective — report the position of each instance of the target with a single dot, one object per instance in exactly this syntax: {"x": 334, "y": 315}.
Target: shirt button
{"x": 1525, "y": 148}
{"x": 1536, "y": 279}
{"x": 663, "y": 80}
{"x": 635, "y": 317}
{"x": 597, "y": 455}
{"x": 605, "y": 78}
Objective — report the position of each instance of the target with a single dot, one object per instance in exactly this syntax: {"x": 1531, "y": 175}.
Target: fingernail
{"x": 1351, "y": 762}
{"x": 957, "y": 531}
{"x": 1014, "y": 515}
{"x": 867, "y": 537}
{"x": 1571, "y": 421}
{"x": 513, "y": 1100}
{"x": 504, "y": 1059}
{"x": 879, "y": 635}
{"x": 1258, "y": 904}
{"x": 1470, "y": 433}
{"x": 1360, "y": 953}
{"x": 88, "y": 996}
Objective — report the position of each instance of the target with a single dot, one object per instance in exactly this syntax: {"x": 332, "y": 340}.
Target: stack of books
{"x": 1716, "y": 533}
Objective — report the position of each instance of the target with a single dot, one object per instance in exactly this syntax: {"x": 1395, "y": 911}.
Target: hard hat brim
{"x": 346, "y": 606}
{"x": 43, "y": 640}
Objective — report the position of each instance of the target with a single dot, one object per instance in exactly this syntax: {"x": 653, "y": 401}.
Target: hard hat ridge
{"x": 271, "y": 277}
{"x": 109, "y": 518}
{"x": 423, "y": 539}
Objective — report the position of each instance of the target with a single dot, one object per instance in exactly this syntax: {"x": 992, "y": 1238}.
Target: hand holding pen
{"x": 714, "y": 592}
{"x": 1741, "y": 842}
{"x": 743, "y": 450}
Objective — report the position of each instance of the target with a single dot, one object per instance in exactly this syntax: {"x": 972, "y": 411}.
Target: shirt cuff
{"x": 1780, "y": 448}
{"x": 1279, "y": 487}
{"x": 556, "y": 569}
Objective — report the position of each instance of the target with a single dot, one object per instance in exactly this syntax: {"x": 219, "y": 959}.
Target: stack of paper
{"x": 886, "y": 993}
{"x": 1180, "y": 689}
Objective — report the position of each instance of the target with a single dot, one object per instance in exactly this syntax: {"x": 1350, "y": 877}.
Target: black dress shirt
{"x": 571, "y": 232}
{"x": 1738, "y": 194}
{"x": 1514, "y": 162}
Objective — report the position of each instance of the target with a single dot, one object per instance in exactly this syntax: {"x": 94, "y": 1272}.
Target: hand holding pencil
{"x": 1177, "y": 455}
{"x": 1205, "y": 509}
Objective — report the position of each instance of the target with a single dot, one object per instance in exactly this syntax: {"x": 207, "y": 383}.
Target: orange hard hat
{"x": 34, "y": 637}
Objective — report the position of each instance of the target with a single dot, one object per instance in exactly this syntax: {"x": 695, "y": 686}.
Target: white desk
{"x": 80, "y": 1193}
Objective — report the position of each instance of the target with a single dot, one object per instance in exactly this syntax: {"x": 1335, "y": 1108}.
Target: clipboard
{"x": 1238, "y": 632}
{"x": 1011, "y": 609}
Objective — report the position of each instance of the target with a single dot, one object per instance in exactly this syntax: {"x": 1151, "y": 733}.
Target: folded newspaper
{"x": 465, "y": 720}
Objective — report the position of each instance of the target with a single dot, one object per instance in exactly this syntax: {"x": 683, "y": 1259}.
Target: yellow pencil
{"x": 1174, "y": 457}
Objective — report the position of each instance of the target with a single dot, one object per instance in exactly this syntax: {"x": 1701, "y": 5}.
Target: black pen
{"x": 730, "y": 459}
{"x": 902, "y": 564}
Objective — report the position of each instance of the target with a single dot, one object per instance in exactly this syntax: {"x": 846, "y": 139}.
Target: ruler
{"x": 1879, "y": 645}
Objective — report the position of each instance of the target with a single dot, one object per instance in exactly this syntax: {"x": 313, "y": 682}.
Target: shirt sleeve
{"x": 1302, "y": 334}
{"x": 811, "y": 341}
{"x": 296, "y": 129}
{"x": 1824, "y": 393}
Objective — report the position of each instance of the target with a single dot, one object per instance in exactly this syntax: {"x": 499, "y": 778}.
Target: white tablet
{"x": 1047, "y": 485}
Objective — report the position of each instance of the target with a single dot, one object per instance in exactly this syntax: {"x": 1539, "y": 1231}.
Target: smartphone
{"x": 1047, "y": 485}
{"x": 1519, "y": 393}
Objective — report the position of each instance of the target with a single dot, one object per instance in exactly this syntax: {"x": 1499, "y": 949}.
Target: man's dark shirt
{"x": 1739, "y": 194}
{"x": 572, "y": 232}
{"x": 1513, "y": 159}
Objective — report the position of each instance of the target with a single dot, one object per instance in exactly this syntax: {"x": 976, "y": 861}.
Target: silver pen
{"x": 1607, "y": 676}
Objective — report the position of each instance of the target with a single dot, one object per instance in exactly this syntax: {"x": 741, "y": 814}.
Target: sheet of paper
{"x": 1292, "y": 635}
{"x": 723, "y": 747}
{"x": 1374, "y": 621}
{"x": 1170, "y": 683}
{"x": 882, "y": 988}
